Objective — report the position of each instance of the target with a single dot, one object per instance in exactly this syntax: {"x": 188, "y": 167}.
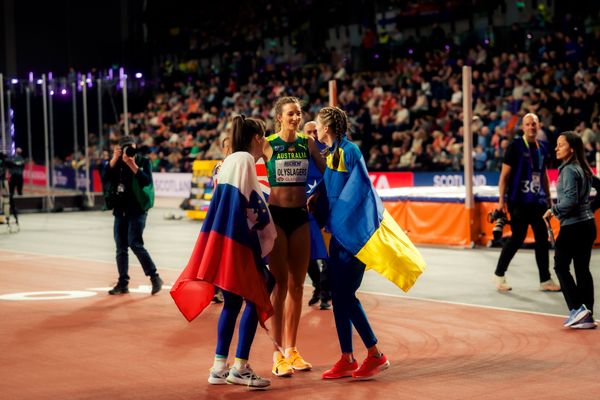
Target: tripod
{"x": 8, "y": 212}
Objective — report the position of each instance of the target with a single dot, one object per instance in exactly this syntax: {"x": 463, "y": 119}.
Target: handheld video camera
{"x": 130, "y": 151}
{"x": 499, "y": 218}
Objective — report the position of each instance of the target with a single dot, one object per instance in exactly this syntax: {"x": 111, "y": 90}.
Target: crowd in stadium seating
{"x": 406, "y": 116}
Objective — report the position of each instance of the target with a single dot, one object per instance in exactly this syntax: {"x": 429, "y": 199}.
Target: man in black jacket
{"x": 16, "y": 167}
{"x": 130, "y": 194}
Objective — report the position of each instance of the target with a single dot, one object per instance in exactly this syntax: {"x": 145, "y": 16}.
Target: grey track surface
{"x": 453, "y": 274}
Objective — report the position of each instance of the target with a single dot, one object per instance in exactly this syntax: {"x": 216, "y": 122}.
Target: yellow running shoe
{"x": 281, "y": 366}
{"x": 297, "y": 362}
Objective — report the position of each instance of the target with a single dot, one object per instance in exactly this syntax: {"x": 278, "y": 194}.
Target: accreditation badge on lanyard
{"x": 536, "y": 182}
{"x": 536, "y": 176}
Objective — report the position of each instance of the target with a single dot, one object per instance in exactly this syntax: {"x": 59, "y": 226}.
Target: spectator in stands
{"x": 479, "y": 158}
{"x": 541, "y": 81}
{"x": 287, "y": 155}
{"x": 524, "y": 190}
{"x": 591, "y": 141}
{"x": 130, "y": 194}
{"x": 577, "y": 229}
{"x": 103, "y": 163}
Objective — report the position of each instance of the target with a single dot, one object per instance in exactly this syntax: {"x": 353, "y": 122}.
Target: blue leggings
{"x": 231, "y": 308}
{"x": 345, "y": 274}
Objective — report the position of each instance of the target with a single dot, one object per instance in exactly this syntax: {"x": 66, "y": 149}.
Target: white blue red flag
{"x": 237, "y": 232}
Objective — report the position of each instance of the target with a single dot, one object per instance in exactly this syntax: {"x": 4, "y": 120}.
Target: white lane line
{"x": 308, "y": 285}
{"x": 456, "y": 303}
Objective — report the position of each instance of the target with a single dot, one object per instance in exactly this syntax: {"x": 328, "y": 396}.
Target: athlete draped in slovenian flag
{"x": 237, "y": 233}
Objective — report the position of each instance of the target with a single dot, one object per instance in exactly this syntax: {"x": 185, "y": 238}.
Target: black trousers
{"x": 522, "y": 216}
{"x": 317, "y": 270}
{"x": 575, "y": 243}
{"x": 16, "y": 184}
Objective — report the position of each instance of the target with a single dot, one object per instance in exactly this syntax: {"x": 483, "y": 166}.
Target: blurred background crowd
{"x": 398, "y": 71}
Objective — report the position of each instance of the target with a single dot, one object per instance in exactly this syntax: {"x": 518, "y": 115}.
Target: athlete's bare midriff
{"x": 288, "y": 196}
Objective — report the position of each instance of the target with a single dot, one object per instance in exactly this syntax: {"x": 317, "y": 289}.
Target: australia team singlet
{"x": 288, "y": 165}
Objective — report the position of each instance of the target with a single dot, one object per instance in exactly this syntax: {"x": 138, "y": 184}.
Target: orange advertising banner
{"x": 448, "y": 223}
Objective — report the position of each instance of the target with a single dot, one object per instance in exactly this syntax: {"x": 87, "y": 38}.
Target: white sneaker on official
{"x": 501, "y": 285}
{"x": 549, "y": 286}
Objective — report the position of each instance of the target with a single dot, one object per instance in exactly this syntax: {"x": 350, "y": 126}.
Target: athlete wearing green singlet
{"x": 288, "y": 166}
{"x": 286, "y": 154}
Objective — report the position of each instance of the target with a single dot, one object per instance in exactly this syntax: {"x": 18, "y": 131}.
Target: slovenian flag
{"x": 363, "y": 226}
{"x": 237, "y": 227}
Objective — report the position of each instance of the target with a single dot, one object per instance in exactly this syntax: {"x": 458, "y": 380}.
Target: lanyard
{"x": 540, "y": 160}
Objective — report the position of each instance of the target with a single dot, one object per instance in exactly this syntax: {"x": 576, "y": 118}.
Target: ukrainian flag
{"x": 362, "y": 226}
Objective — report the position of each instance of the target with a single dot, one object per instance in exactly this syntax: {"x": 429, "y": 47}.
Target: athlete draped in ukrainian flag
{"x": 364, "y": 236}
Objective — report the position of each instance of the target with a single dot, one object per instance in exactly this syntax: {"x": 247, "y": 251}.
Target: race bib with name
{"x": 291, "y": 171}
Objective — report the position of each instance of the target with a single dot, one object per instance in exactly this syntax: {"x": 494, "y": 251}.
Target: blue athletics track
{"x": 451, "y": 337}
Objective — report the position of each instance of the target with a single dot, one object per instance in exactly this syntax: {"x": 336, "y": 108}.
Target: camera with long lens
{"x": 130, "y": 151}
{"x": 499, "y": 219}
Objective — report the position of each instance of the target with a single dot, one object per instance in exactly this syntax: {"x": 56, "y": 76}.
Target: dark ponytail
{"x": 578, "y": 157}
{"x": 243, "y": 131}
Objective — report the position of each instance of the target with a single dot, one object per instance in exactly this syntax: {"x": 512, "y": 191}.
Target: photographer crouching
{"x": 129, "y": 192}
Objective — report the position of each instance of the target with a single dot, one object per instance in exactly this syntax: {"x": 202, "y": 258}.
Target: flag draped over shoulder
{"x": 362, "y": 226}
{"x": 237, "y": 227}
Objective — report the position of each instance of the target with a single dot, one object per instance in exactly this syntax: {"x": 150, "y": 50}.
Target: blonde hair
{"x": 337, "y": 120}
{"x": 279, "y": 104}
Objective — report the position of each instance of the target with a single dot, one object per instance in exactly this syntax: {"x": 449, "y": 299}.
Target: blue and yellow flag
{"x": 364, "y": 228}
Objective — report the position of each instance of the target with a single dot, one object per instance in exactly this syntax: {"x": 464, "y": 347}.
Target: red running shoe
{"x": 340, "y": 369}
{"x": 371, "y": 367}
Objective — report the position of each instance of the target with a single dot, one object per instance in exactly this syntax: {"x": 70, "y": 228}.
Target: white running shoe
{"x": 216, "y": 377}
{"x": 501, "y": 284}
{"x": 246, "y": 376}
